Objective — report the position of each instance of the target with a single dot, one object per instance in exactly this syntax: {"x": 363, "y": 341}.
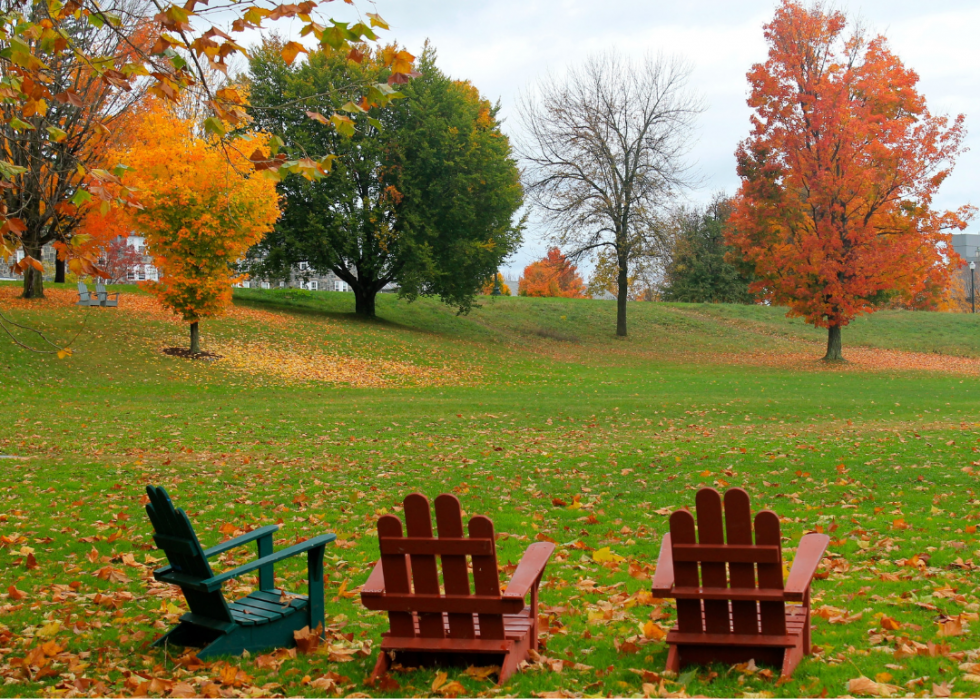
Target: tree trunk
{"x": 33, "y": 280}
{"x": 621, "y": 298}
{"x": 833, "y": 345}
{"x": 195, "y": 338}
{"x": 59, "y": 270}
{"x": 364, "y": 300}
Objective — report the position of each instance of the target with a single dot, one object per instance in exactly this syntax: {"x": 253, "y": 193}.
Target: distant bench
{"x": 101, "y": 297}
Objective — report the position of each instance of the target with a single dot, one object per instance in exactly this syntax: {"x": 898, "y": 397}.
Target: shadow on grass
{"x": 297, "y": 307}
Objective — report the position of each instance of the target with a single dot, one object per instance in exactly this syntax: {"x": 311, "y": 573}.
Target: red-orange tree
{"x": 552, "y": 276}
{"x": 203, "y": 205}
{"x": 839, "y": 174}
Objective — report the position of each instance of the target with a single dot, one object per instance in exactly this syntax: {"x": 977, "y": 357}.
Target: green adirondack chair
{"x": 264, "y": 619}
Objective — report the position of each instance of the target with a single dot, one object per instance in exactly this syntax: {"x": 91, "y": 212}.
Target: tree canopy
{"x": 420, "y": 195}
{"x": 839, "y": 174}
{"x": 554, "y": 275}
{"x": 702, "y": 268}
{"x": 202, "y": 205}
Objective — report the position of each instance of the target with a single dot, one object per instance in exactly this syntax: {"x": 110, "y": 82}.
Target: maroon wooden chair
{"x": 438, "y": 623}
{"x": 732, "y": 605}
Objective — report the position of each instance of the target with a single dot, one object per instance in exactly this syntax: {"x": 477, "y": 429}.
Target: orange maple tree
{"x": 554, "y": 275}
{"x": 202, "y": 205}
{"x": 839, "y": 173}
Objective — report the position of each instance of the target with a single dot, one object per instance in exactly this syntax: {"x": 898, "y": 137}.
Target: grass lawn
{"x": 322, "y": 422}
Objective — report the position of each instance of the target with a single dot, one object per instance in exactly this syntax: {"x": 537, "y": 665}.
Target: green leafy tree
{"x": 702, "y": 268}
{"x": 421, "y": 194}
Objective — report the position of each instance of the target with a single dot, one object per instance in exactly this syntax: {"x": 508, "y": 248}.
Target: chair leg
{"x": 791, "y": 659}
{"x": 673, "y": 659}
{"x": 509, "y": 666}
{"x": 381, "y": 666}
{"x": 185, "y": 635}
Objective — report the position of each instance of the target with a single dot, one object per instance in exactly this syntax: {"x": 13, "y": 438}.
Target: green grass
{"x": 549, "y": 405}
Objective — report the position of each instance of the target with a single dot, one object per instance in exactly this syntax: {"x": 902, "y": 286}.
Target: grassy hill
{"x": 532, "y": 412}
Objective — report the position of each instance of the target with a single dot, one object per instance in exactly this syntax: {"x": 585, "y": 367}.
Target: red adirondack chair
{"x": 738, "y": 608}
{"x": 433, "y": 623}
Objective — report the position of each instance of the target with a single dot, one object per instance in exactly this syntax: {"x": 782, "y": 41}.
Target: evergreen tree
{"x": 702, "y": 268}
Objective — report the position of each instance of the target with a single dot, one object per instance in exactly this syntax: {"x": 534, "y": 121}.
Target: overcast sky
{"x": 502, "y": 46}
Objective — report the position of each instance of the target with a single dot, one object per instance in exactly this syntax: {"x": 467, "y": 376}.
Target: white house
{"x": 145, "y": 270}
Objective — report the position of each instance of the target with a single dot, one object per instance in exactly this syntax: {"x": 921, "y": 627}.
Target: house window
{"x": 314, "y": 286}
{"x": 303, "y": 266}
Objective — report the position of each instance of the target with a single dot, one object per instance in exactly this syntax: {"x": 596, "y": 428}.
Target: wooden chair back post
{"x": 395, "y": 568}
{"x": 425, "y": 572}
{"x": 686, "y": 573}
{"x": 455, "y": 576}
{"x": 175, "y": 535}
{"x": 738, "y": 529}
{"x": 711, "y": 530}
{"x": 772, "y": 614}
{"x": 486, "y": 580}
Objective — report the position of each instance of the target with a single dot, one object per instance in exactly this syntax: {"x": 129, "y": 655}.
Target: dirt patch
{"x": 185, "y": 353}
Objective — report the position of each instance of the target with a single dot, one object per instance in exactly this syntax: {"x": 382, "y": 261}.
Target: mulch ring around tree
{"x": 185, "y": 353}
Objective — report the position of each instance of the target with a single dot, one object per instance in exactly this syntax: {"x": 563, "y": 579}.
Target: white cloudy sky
{"x": 502, "y": 46}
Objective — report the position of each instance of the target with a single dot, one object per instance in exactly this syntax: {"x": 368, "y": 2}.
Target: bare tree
{"x": 604, "y": 150}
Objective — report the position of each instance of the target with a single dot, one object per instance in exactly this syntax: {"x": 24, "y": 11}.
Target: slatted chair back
{"x": 174, "y": 534}
{"x": 722, "y": 555}
{"x": 409, "y": 565}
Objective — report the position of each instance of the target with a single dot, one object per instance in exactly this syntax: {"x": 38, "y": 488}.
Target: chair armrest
{"x": 375, "y": 584}
{"x": 529, "y": 570}
{"x": 663, "y": 579}
{"x": 212, "y": 584}
{"x": 247, "y": 538}
{"x": 260, "y": 533}
{"x": 808, "y": 556}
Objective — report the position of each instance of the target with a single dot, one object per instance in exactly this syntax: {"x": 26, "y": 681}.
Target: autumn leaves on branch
{"x": 76, "y": 59}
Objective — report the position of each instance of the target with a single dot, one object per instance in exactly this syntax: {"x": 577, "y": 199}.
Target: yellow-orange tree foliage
{"x": 487, "y": 289}
{"x": 203, "y": 206}
{"x": 552, "y": 276}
